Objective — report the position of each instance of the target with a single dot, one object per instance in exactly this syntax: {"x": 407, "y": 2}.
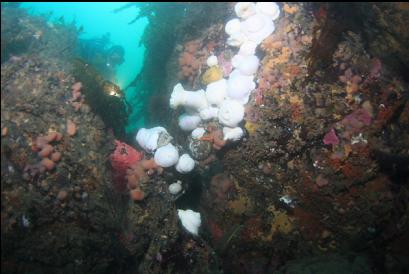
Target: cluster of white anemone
{"x": 223, "y": 100}
{"x": 165, "y": 154}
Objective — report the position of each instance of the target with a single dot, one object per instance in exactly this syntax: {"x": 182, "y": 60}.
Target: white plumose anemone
{"x": 191, "y": 99}
{"x": 231, "y": 113}
{"x": 257, "y": 27}
{"x": 240, "y": 86}
{"x": 236, "y": 39}
{"x": 166, "y": 156}
{"x": 233, "y": 134}
{"x": 248, "y": 48}
{"x": 189, "y": 122}
{"x": 209, "y": 113}
{"x": 270, "y": 9}
{"x": 246, "y": 64}
{"x": 191, "y": 220}
{"x": 198, "y": 133}
{"x": 245, "y": 9}
{"x": 185, "y": 164}
{"x": 175, "y": 188}
{"x": 232, "y": 26}
{"x": 216, "y": 92}
{"x": 148, "y": 138}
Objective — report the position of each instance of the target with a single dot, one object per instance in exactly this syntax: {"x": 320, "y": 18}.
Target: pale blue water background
{"x": 98, "y": 19}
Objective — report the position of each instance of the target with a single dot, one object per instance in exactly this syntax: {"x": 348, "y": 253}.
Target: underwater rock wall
{"x": 57, "y": 204}
{"x": 328, "y": 110}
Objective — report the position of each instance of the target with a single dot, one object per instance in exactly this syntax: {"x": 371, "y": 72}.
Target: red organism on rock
{"x": 137, "y": 174}
{"x": 77, "y": 98}
{"x": 121, "y": 159}
{"x": 191, "y": 60}
{"x": 215, "y": 136}
{"x": 49, "y": 157}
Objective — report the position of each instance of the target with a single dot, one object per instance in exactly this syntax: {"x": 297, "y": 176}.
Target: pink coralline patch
{"x": 355, "y": 121}
{"x": 225, "y": 64}
{"x": 331, "y": 138}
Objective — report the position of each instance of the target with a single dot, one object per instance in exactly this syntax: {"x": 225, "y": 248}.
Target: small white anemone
{"x": 185, "y": 164}
{"x": 188, "y": 122}
{"x": 148, "y": 138}
{"x": 246, "y": 64}
{"x": 257, "y": 27}
{"x": 236, "y": 39}
{"x": 233, "y": 134}
{"x": 191, "y": 99}
{"x": 198, "y": 133}
{"x": 212, "y": 61}
{"x": 216, "y": 92}
{"x": 248, "y": 48}
{"x": 231, "y": 113}
{"x": 232, "y": 26}
{"x": 191, "y": 220}
{"x": 239, "y": 86}
{"x": 175, "y": 188}
{"x": 209, "y": 113}
{"x": 166, "y": 156}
